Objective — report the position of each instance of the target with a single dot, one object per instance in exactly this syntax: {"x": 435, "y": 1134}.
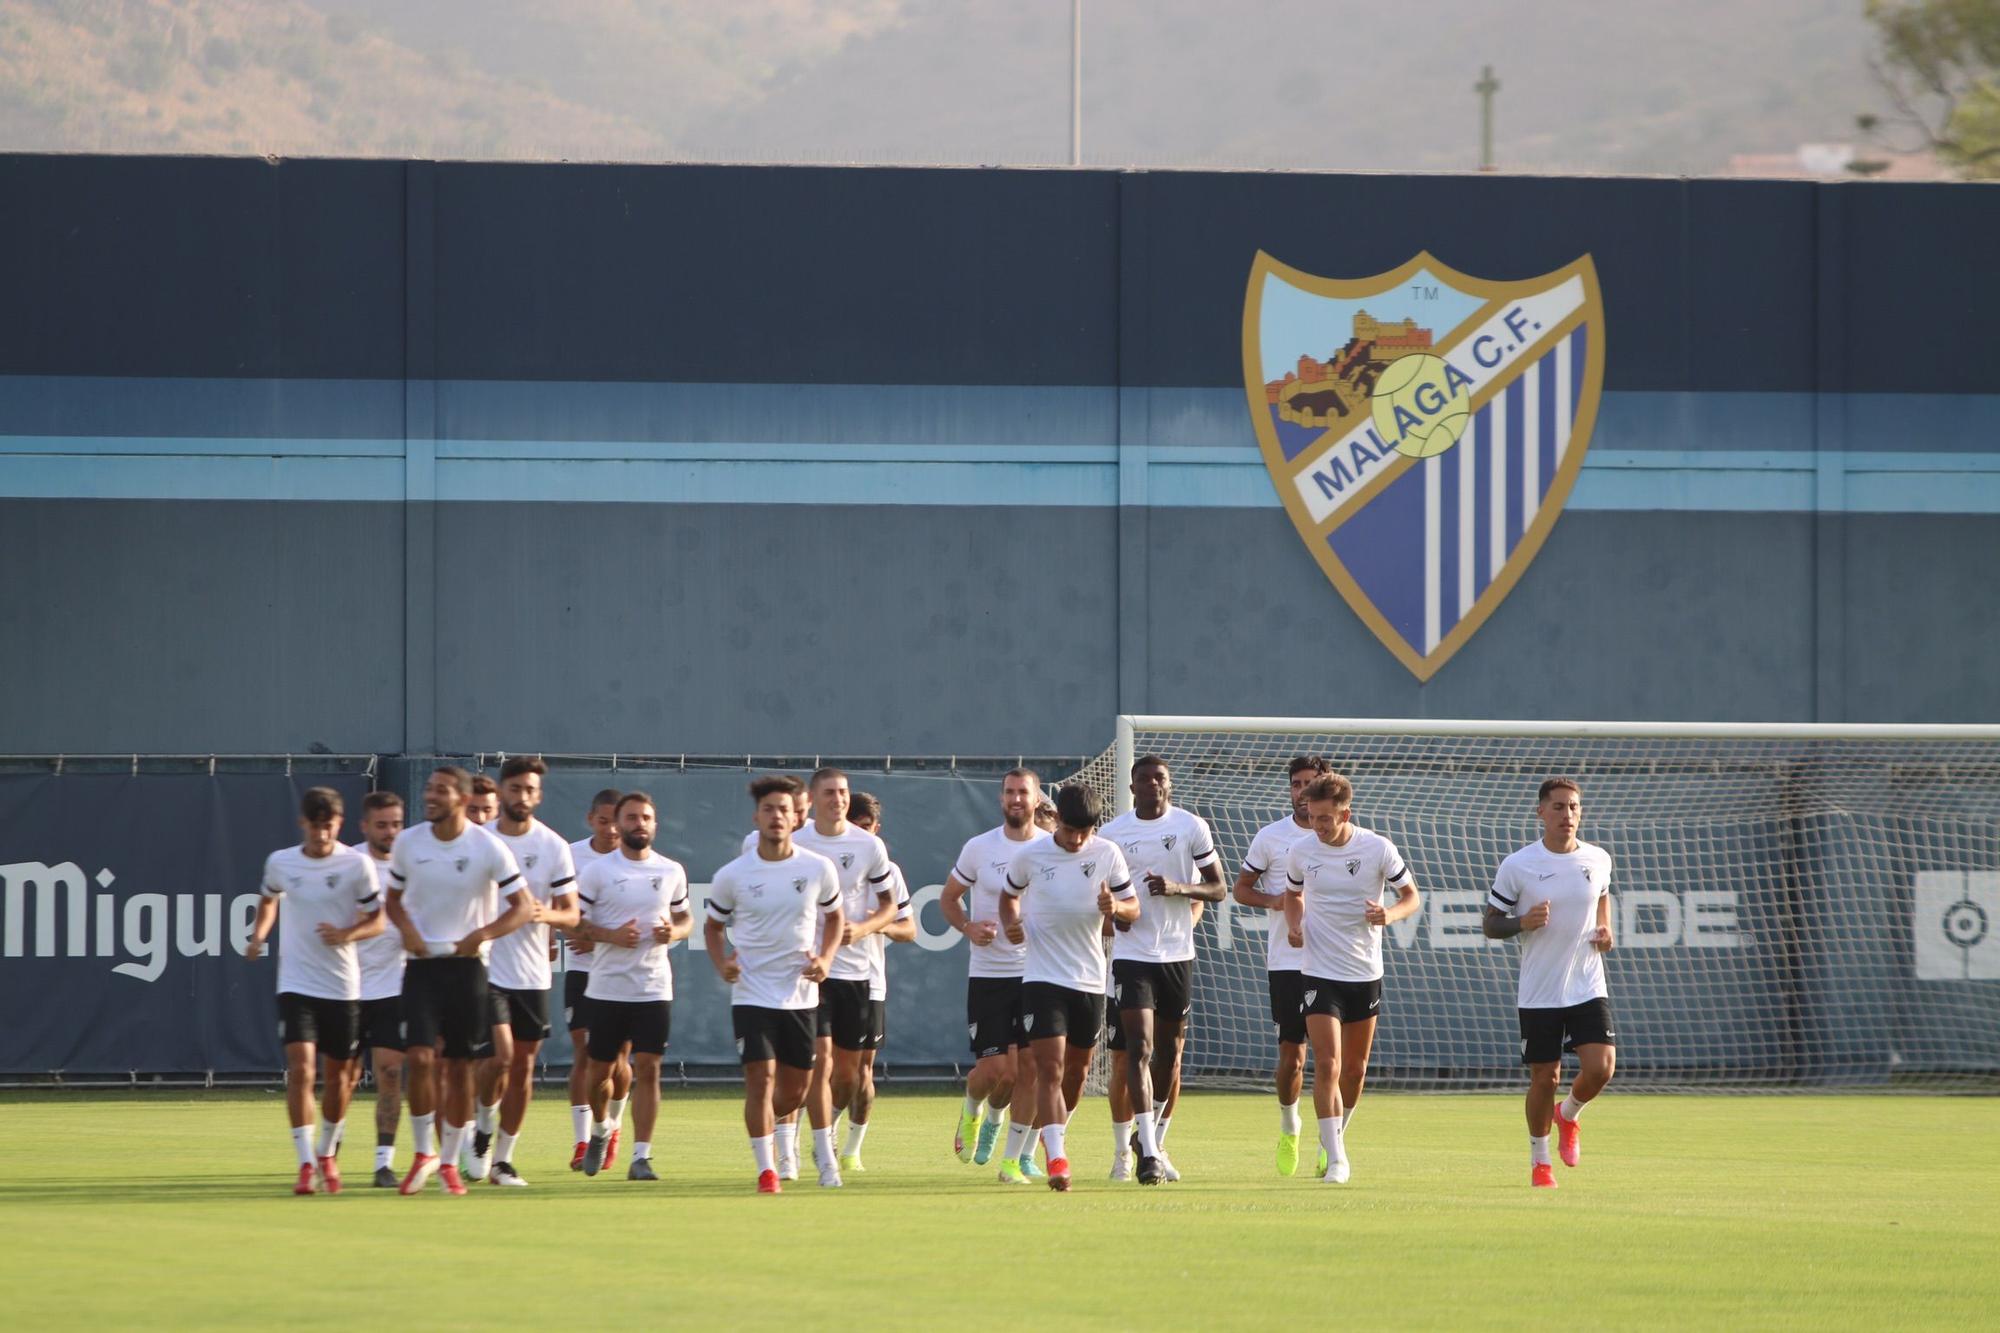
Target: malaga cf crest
{"x": 1423, "y": 428}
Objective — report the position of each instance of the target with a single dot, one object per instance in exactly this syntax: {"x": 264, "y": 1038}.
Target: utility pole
{"x": 1486, "y": 87}
{"x": 1076, "y": 83}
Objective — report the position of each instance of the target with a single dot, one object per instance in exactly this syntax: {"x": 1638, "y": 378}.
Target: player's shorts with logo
{"x": 576, "y": 1005}
{"x": 1288, "y": 1004}
{"x": 382, "y": 1023}
{"x": 331, "y": 1025}
{"x": 1049, "y": 1010}
{"x": 445, "y": 999}
{"x": 993, "y": 1015}
{"x": 1137, "y": 984}
{"x": 843, "y": 1013}
{"x": 784, "y": 1035}
{"x": 645, "y": 1023}
{"x": 524, "y": 1012}
{"x": 878, "y": 1024}
{"x": 1348, "y": 1001}
{"x": 1547, "y": 1033}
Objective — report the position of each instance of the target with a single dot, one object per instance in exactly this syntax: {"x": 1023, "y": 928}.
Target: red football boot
{"x": 1543, "y": 1177}
{"x": 329, "y": 1174}
{"x": 767, "y": 1183}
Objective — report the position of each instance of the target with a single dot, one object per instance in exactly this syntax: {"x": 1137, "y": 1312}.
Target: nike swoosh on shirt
{"x": 1550, "y": 875}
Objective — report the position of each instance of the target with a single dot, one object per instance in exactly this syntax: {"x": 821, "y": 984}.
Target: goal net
{"x": 1796, "y": 906}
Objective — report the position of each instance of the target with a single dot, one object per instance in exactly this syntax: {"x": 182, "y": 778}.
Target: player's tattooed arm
{"x": 1497, "y": 925}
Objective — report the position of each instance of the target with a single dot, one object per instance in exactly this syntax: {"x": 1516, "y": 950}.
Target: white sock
{"x": 996, "y": 1115}
{"x": 579, "y": 1122}
{"x": 1160, "y": 1132}
{"x": 1346, "y": 1118}
{"x": 454, "y": 1144}
{"x": 614, "y": 1112}
{"x": 855, "y": 1133}
{"x": 302, "y": 1143}
{"x": 602, "y": 1129}
{"x": 339, "y": 1134}
{"x": 1538, "y": 1150}
{"x": 1329, "y": 1137}
{"x": 1121, "y": 1138}
{"x": 765, "y": 1152}
{"x": 972, "y": 1105}
{"x": 1572, "y": 1108}
{"x": 503, "y": 1147}
{"x": 329, "y": 1136}
{"x": 487, "y": 1118}
{"x": 1339, "y": 1153}
{"x": 385, "y": 1155}
{"x": 643, "y": 1149}
{"x": 1017, "y": 1138}
{"x": 788, "y": 1139}
{"x": 1288, "y": 1118}
{"x": 823, "y": 1146}
{"x": 423, "y": 1134}
{"x": 1149, "y": 1137}
{"x": 1052, "y": 1141}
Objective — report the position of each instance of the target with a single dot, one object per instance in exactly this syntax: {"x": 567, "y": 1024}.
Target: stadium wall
{"x": 415, "y": 457}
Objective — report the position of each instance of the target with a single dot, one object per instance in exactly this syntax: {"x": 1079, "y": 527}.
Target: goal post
{"x": 1797, "y": 905}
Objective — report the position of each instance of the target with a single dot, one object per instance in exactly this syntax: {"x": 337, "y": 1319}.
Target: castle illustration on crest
{"x": 1326, "y": 393}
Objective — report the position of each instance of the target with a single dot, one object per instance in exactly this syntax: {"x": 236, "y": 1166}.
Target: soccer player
{"x": 331, "y": 900}
{"x": 1060, "y": 890}
{"x": 787, "y": 1133}
{"x": 635, "y": 906}
{"x": 1335, "y": 882}
{"x": 520, "y": 976}
{"x": 1555, "y": 894}
{"x": 780, "y": 906}
{"x": 381, "y": 959}
{"x": 484, "y": 806}
{"x": 865, "y": 813}
{"x": 1152, "y": 960}
{"x": 1261, "y": 883}
{"x": 446, "y": 881}
{"x": 868, "y": 898}
{"x": 1000, "y": 1090}
{"x": 603, "y": 840}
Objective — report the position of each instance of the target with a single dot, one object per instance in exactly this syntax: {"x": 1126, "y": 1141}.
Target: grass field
{"x": 159, "y": 1209}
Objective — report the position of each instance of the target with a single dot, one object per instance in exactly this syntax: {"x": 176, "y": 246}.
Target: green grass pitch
{"x": 159, "y": 1209}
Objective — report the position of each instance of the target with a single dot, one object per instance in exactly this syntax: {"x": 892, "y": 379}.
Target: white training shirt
{"x": 1559, "y": 965}
{"x": 982, "y": 867}
{"x": 773, "y": 910}
{"x": 1267, "y": 859}
{"x": 862, "y": 861}
{"x": 521, "y": 960}
{"x": 1337, "y": 883}
{"x": 878, "y": 973}
{"x": 380, "y": 956}
{"x": 581, "y": 854}
{"x": 615, "y": 889}
{"x": 451, "y": 889}
{"x": 1058, "y": 896}
{"x": 337, "y": 889}
{"x": 1174, "y": 847}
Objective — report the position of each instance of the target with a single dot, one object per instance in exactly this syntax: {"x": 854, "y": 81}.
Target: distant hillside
{"x": 1282, "y": 83}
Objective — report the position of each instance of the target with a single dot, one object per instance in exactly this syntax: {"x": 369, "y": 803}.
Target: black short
{"x": 1547, "y": 1033}
{"x": 1049, "y": 1010}
{"x": 784, "y": 1035}
{"x": 843, "y": 1013}
{"x": 525, "y": 1012}
{"x": 1161, "y": 987}
{"x": 445, "y": 998}
{"x": 382, "y": 1024}
{"x": 331, "y": 1025}
{"x": 993, "y": 1015}
{"x": 644, "y": 1023}
{"x": 878, "y": 1023}
{"x": 576, "y": 1009}
{"x": 1348, "y": 1001}
{"x": 1288, "y": 1005}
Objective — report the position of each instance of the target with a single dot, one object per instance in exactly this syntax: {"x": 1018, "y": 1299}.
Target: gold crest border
{"x": 1582, "y": 427}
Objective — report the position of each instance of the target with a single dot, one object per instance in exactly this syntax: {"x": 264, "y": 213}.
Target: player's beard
{"x": 1011, "y": 822}
{"x": 637, "y": 841}
{"x": 518, "y": 814}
